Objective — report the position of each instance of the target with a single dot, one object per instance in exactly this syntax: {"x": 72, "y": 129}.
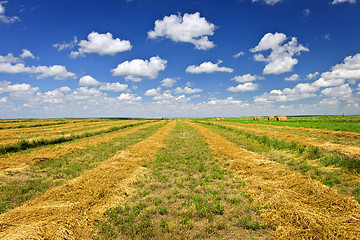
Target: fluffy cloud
{"x": 239, "y": 54}
{"x": 190, "y": 28}
{"x": 129, "y": 98}
{"x": 341, "y": 92}
{"x": 333, "y": 81}
{"x": 168, "y": 82}
{"x": 6, "y": 19}
{"x": 187, "y": 90}
{"x": 293, "y": 77}
{"x": 153, "y": 92}
{"x": 281, "y": 58}
{"x": 58, "y": 72}
{"x": 348, "y": 70}
{"x": 87, "y": 81}
{"x": 10, "y": 58}
{"x": 137, "y": 69}
{"x": 249, "y": 86}
{"x": 101, "y": 44}
{"x": 65, "y": 45}
{"x": 342, "y": 1}
{"x": 311, "y": 76}
{"x": 13, "y": 65}
{"x": 208, "y": 67}
{"x": 269, "y": 2}
{"x": 115, "y": 87}
{"x": 246, "y": 78}
{"x": 26, "y": 54}
{"x": 21, "y": 91}
{"x": 228, "y": 101}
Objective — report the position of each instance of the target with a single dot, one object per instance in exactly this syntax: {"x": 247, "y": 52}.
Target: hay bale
{"x": 281, "y": 118}
{"x": 222, "y": 118}
{"x": 256, "y": 118}
{"x": 270, "y": 118}
{"x": 217, "y": 119}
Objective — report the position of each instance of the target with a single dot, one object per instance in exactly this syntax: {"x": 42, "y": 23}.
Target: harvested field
{"x": 20, "y": 161}
{"x": 312, "y": 130}
{"x": 298, "y": 206}
{"x": 352, "y": 151}
{"x": 181, "y": 180}
{"x": 11, "y": 137}
{"x": 69, "y": 211}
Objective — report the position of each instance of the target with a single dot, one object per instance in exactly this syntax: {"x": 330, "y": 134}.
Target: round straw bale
{"x": 217, "y": 119}
{"x": 271, "y": 118}
{"x": 256, "y": 118}
{"x": 281, "y": 118}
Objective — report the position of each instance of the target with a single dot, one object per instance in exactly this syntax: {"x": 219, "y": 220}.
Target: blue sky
{"x": 144, "y": 58}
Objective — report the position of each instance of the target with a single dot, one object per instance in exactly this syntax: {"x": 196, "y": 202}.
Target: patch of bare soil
{"x": 69, "y": 211}
{"x": 299, "y": 207}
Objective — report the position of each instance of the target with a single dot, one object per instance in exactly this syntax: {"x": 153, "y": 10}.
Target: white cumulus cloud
{"x": 190, "y": 28}
{"x": 58, "y": 72}
{"x": 66, "y": 45}
{"x": 26, "y": 54}
{"x": 6, "y": 19}
{"x": 246, "y": 78}
{"x": 153, "y": 92}
{"x": 239, "y": 54}
{"x": 342, "y": 91}
{"x": 311, "y": 76}
{"x": 87, "y": 81}
{"x": 168, "y": 82}
{"x": 208, "y": 67}
{"x": 137, "y": 69}
{"x": 115, "y": 87}
{"x": 281, "y": 58}
{"x": 293, "y": 77}
{"x": 249, "y": 86}
{"x": 187, "y": 90}
{"x": 101, "y": 44}
{"x": 129, "y": 98}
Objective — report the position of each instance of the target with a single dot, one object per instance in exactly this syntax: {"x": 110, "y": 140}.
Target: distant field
{"x": 188, "y": 178}
{"x": 349, "y": 123}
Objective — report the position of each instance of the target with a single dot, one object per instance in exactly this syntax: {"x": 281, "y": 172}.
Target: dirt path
{"x": 311, "y": 130}
{"x": 21, "y": 161}
{"x": 300, "y": 207}
{"x": 348, "y": 150}
{"x": 69, "y": 211}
